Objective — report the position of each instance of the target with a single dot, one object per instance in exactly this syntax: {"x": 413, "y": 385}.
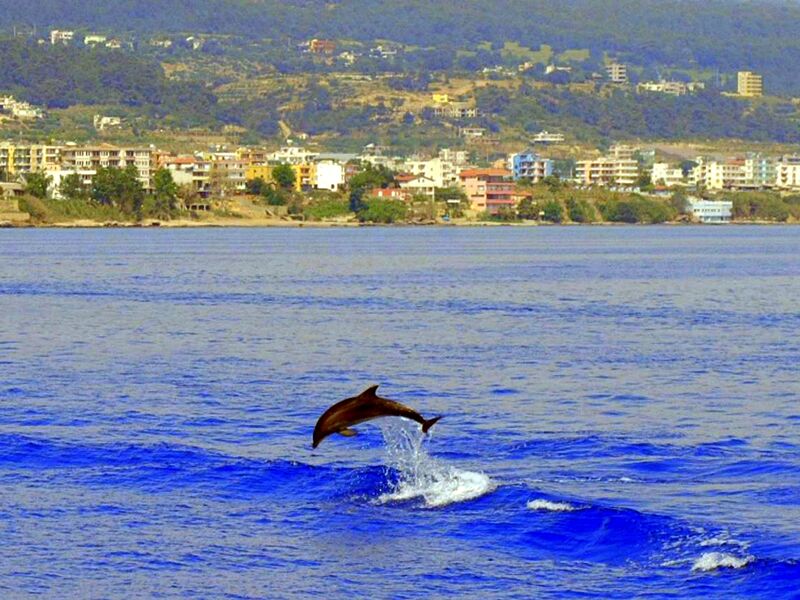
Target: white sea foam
{"x": 724, "y": 541}
{"x": 422, "y": 477}
{"x": 547, "y": 505}
{"x": 711, "y": 561}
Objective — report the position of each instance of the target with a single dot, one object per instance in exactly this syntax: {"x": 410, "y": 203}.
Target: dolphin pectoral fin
{"x": 347, "y": 432}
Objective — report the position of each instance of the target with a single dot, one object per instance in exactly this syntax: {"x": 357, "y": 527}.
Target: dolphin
{"x": 340, "y": 417}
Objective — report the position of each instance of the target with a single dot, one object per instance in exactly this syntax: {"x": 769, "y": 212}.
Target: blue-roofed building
{"x": 529, "y": 165}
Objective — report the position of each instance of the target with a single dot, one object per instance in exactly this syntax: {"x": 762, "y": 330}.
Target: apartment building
{"x": 750, "y": 84}
{"x": 617, "y": 73}
{"x": 530, "y": 166}
{"x": 330, "y": 175}
{"x": 787, "y": 172}
{"x": 488, "y": 190}
{"x": 443, "y": 169}
{"x": 102, "y": 156}
{"x": 618, "y": 168}
{"x": 751, "y": 172}
{"x": 25, "y": 158}
{"x": 667, "y": 176}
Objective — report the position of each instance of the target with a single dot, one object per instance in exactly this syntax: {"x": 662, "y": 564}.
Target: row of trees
{"x": 112, "y": 186}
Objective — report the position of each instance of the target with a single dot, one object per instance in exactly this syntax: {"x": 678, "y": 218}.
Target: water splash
{"x": 419, "y": 476}
{"x": 547, "y": 505}
{"x": 711, "y": 561}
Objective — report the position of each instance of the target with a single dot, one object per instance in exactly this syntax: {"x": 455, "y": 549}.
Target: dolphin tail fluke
{"x": 429, "y": 423}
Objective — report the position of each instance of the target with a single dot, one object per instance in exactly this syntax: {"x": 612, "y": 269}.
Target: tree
{"x": 72, "y": 188}
{"x": 553, "y": 211}
{"x": 255, "y": 187}
{"x": 165, "y": 195}
{"x": 37, "y": 183}
{"x": 284, "y": 176}
{"x": 119, "y": 187}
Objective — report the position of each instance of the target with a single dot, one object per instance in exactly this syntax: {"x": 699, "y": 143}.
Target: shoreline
{"x": 282, "y": 224}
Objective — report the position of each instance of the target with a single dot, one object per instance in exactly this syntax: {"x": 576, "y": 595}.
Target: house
{"x": 545, "y": 137}
{"x": 61, "y": 37}
{"x": 488, "y": 190}
{"x": 102, "y": 123}
{"x": 391, "y": 194}
{"x": 94, "y": 40}
{"x": 327, "y": 47}
{"x": 417, "y": 185}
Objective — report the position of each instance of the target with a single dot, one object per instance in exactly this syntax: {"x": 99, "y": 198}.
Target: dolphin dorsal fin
{"x": 370, "y": 392}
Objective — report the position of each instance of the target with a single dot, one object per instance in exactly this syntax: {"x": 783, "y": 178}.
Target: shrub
{"x": 380, "y": 210}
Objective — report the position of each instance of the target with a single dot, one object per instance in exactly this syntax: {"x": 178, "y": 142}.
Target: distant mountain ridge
{"x": 711, "y": 34}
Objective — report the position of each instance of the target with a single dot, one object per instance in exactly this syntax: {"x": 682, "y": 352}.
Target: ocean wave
{"x": 541, "y": 504}
{"x": 711, "y": 561}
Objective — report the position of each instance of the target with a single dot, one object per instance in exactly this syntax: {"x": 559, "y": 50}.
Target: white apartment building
{"x": 330, "y": 175}
{"x": 617, "y": 73}
{"x": 293, "y": 155}
{"x": 618, "y": 168}
{"x": 751, "y": 172}
{"x": 443, "y": 170}
{"x": 665, "y": 175}
{"x": 787, "y": 173}
{"x": 96, "y": 157}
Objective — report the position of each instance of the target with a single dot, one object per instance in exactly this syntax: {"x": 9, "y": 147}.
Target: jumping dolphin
{"x": 340, "y": 417}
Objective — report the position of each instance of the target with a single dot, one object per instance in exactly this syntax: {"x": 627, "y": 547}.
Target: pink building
{"x": 488, "y": 190}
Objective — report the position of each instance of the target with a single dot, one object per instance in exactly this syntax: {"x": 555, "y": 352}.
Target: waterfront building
{"x": 750, "y": 84}
{"x": 711, "y": 211}
{"x": 26, "y": 158}
{"x": 488, "y": 190}
{"x": 787, "y": 173}
{"x": 104, "y": 155}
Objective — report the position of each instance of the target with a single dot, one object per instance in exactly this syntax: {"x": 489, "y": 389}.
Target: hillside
{"x": 688, "y": 34}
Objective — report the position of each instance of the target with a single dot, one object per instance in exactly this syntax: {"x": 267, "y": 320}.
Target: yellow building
{"x": 441, "y": 98}
{"x": 305, "y": 174}
{"x": 750, "y": 85}
{"x": 15, "y": 159}
{"x": 258, "y": 172}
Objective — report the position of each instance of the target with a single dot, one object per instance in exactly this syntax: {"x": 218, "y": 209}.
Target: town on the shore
{"x": 211, "y": 176}
{"x": 467, "y": 186}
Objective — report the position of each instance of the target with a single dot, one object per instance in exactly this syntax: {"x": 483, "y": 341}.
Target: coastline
{"x": 290, "y": 224}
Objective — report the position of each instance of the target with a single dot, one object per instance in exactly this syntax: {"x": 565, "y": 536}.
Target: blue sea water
{"x": 621, "y": 414}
